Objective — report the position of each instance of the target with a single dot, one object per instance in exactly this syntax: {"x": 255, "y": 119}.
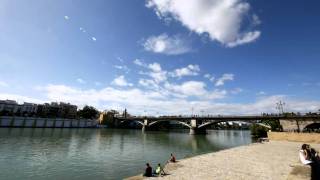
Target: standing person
{"x": 172, "y": 158}
{"x": 148, "y": 171}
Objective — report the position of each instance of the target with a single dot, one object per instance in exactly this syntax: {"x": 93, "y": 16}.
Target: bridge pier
{"x": 145, "y": 125}
{"x": 194, "y": 129}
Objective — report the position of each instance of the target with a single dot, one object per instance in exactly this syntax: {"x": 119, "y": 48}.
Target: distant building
{"x": 60, "y": 110}
{"x": 28, "y": 108}
{"x": 9, "y": 106}
{"x": 53, "y": 110}
{"x": 67, "y": 110}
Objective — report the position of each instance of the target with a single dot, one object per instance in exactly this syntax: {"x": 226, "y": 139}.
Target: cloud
{"x": 224, "y": 21}
{"x": 120, "y": 59}
{"x": 155, "y": 67}
{"x": 3, "y": 84}
{"x": 93, "y": 39}
{"x": 155, "y": 71}
{"x": 137, "y": 100}
{"x": 261, "y": 93}
{"x": 138, "y": 62}
{"x": 159, "y": 100}
{"x": 246, "y": 38}
{"x": 19, "y": 98}
{"x": 164, "y": 44}
{"x": 236, "y": 91}
{"x": 121, "y": 81}
{"x": 82, "y": 29}
{"x": 195, "y": 88}
{"x": 210, "y": 77}
{"x": 190, "y": 70}
{"x": 122, "y": 67}
{"x": 66, "y": 17}
{"x": 225, "y": 77}
{"x": 81, "y": 81}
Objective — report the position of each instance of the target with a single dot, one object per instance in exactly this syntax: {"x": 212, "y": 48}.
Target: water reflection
{"x": 93, "y": 153}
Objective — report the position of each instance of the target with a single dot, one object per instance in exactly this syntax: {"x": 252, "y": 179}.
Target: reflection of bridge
{"x": 197, "y": 125}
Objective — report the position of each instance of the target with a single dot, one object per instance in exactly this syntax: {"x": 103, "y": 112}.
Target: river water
{"x": 84, "y": 154}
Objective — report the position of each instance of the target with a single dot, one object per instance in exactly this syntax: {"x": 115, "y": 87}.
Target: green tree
{"x": 258, "y": 131}
{"x": 88, "y": 112}
{"x": 274, "y": 124}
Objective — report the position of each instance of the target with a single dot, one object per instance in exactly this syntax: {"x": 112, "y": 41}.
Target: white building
{"x": 28, "y": 108}
{"x": 9, "y": 106}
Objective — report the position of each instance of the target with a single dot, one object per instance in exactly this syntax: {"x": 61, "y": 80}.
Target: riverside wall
{"x": 296, "y": 137}
{"x": 33, "y": 122}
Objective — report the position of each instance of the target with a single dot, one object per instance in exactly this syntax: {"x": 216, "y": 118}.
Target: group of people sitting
{"x": 159, "y": 170}
{"x": 308, "y": 155}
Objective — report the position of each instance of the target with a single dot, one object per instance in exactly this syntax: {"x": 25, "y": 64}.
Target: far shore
{"x": 268, "y": 160}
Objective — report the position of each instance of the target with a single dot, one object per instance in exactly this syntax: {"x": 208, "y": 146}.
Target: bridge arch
{"x": 137, "y": 121}
{"x": 209, "y": 123}
{"x": 180, "y": 122}
{"x": 312, "y": 127}
{"x": 216, "y": 122}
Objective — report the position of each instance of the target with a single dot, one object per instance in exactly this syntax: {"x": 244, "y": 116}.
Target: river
{"x": 83, "y": 154}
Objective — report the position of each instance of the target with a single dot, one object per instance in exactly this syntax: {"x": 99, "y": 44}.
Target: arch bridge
{"x": 198, "y": 124}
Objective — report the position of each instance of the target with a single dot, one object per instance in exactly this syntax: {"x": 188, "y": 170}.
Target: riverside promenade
{"x": 268, "y": 160}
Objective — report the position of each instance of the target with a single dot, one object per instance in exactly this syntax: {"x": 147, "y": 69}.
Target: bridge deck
{"x": 227, "y": 118}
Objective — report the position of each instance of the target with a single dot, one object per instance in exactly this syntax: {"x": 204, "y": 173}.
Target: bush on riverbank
{"x": 258, "y": 131}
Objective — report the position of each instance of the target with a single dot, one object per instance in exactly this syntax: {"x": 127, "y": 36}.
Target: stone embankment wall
{"x": 297, "y": 137}
{"x": 30, "y": 122}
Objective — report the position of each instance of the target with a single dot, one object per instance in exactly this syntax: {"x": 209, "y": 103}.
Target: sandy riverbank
{"x": 270, "y": 160}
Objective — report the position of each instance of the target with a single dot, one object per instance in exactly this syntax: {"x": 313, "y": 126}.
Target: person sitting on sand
{"x": 314, "y": 155}
{"x": 304, "y": 155}
{"x": 172, "y": 158}
{"x": 148, "y": 171}
{"x": 159, "y": 170}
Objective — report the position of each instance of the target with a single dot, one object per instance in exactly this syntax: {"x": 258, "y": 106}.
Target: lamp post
{"x": 279, "y": 107}
{"x": 192, "y": 112}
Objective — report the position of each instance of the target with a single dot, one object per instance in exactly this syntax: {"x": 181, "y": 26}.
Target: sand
{"x": 269, "y": 160}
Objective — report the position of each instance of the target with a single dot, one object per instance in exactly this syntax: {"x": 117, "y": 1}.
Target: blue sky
{"x": 162, "y": 56}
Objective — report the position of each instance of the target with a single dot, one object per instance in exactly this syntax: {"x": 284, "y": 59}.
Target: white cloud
{"x": 195, "y": 88}
{"x": 148, "y": 83}
{"x": 155, "y": 72}
{"x": 225, "y": 77}
{"x": 94, "y": 39}
{"x": 167, "y": 45}
{"x": 82, "y": 29}
{"x": 236, "y": 91}
{"x": 120, "y": 59}
{"x": 121, "y": 81}
{"x": 137, "y": 100}
{"x": 122, "y": 67}
{"x": 81, "y": 81}
{"x": 210, "y": 77}
{"x": 189, "y": 88}
{"x": 19, "y": 98}
{"x": 155, "y": 67}
{"x": 245, "y": 38}
{"x": 260, "y": 93}
{"x": 190, "y": 70}
{"x": 66, "y": 17}
{"x": 3, "y": 84}
{"x": 222, "y": 20}
{"x": 138, "y": 62}
{"x": 255, "y": 20}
